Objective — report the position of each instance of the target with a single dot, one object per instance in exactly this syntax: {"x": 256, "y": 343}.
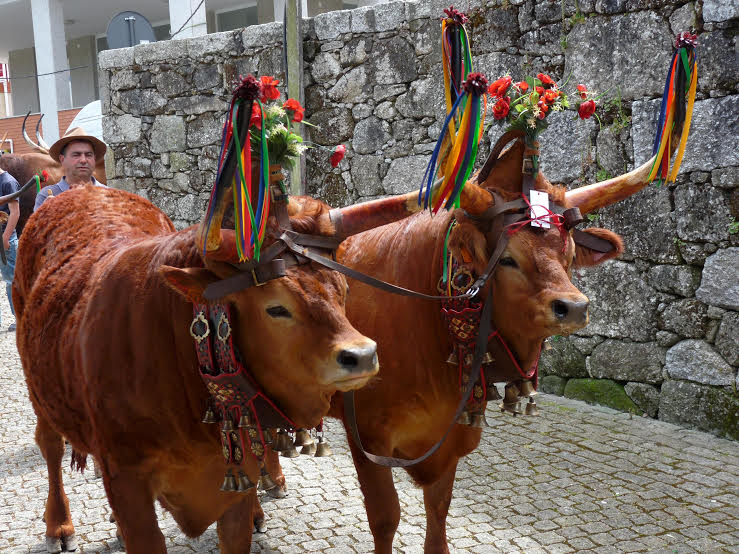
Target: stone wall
{"x": 664, "y": 333}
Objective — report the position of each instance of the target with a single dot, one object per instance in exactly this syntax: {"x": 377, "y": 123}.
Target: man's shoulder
{"x": 8, "y": 184}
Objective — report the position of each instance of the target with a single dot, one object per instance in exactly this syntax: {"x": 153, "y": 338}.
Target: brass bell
{"x": 228, "y": 425}
{"x": 290, "y": 452}
{"x": 531, "y": 408}
{"x": 243, "y": 482}
{"x": 246, "y": 420}
{"x": 464, "y": 418}
{"x": 488, "y": 359}
{"x": 210, "y": 416}
{"x": 302, "y": 437}
{"x": 229, "y": 482}
{"x": 322, "y": 448}
{"x": 546, "y": 346}
{"x": 479, "y": 421}
{"x": 282, "y": 442}
{"x": 510, "y": 400}
{"x": 453, "y": 359}
{"x": 527, "y": 389}
{"x": 309, "y": 449}
{"x": 267, "y": 437}
{"x": 265, "y": 481}
{"x": 491, "y": 393}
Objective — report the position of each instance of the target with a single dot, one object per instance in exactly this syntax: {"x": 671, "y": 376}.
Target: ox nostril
{"x": 569, "y": 311}
{"x": 560, "y": 309}
{"x": 348, "y": 359}
{"x": 358, "y": 359}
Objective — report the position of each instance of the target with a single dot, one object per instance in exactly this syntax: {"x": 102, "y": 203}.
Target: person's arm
{"x": 40, "y": 197}
{"x": 15, "y": 213}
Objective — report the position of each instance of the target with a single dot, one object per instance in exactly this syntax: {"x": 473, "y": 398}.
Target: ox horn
{"x": 3, "y": 141}
{"x": 39, "y": 138}
{"x": 27, "y": 138}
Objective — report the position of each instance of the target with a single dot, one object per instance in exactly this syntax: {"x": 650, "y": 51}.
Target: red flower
{"x": 269, "y": 88}
{"x": 501, "y": 108}
{"x": 545, "y": 79}
{"x": 499, "y": 87}
{"x": 256, "y": 116}
{"x": 338, "y": 155}
{"x": 582, "y": 90}
{"x": 586, "y": 109}
{"x": 539, "y": 90}
{"x": 523, "y": 86}
{"x": 551, "y": 95}
{"x": 543, "y": 108}
{"x": 294, "y": 109}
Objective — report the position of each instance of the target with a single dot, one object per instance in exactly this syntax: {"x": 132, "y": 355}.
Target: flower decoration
{"x": 43, "y": 175}
{"x": 269, "y": 89}
{"x": 338, "y": 155}
{"x": 294, "y": 110}
{"x": 455, "y": 15}
{"x": 526, "y": 104}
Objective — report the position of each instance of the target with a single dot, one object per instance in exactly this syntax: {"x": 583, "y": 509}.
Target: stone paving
{"x": 578, "y": 478}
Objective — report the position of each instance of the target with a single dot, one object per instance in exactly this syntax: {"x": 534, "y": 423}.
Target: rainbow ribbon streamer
{"x": 454, "y": 155}
{"x": 674, "y": 115}
{"x": 235, "y": 172}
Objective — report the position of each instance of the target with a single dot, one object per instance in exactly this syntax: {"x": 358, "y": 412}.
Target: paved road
{"x": 576, "y": 479}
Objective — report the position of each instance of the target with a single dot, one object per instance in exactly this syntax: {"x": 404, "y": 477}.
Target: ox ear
{"x": 189, "y": 282}
{"x": 506, "y": 173}
{"x": 586, "y": 256}
{"x": 468, "y": 245}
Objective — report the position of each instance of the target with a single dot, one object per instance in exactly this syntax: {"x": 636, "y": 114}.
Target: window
{"x": 236, "y": 19}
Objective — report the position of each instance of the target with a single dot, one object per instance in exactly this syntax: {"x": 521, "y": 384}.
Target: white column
{"x": 279, "y": 9}
{"x": 179, "y": 11}
{"x": 51, "y": 56}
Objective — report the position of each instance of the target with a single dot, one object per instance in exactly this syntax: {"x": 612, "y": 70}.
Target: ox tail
{"x": 79, "y": 461}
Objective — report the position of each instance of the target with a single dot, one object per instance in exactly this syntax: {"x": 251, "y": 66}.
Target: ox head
{"x": 534, "y": 297}
{"x": 292, "y": 330}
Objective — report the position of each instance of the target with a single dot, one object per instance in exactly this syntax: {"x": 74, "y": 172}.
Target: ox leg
{"x": 436, "y": 498}
{"x": 234, "y": 537}
{"x": 132, "y": 503}
{"x": 380, "y": 500}
{"x": 59, "y": 528}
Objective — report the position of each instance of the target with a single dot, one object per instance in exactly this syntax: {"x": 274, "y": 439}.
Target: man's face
{"x": 78, "y": 160}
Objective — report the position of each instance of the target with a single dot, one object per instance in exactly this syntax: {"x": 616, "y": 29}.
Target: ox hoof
{"x": 278, "y": 492}
{"x": 53, "y": 545}
{"x": 70, "y": 543}
{"x": 260, "y": 525}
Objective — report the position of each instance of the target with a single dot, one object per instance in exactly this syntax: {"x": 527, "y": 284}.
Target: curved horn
{"x": 3, "y": 141}
{"x": 475, "y": 199}
{"x": 41, "y": 141}
{"x": 355, "y": 219}
{"x": 599, "y": 195}
{"x": 25, "y": 134}
{"x": 10, "y": 197}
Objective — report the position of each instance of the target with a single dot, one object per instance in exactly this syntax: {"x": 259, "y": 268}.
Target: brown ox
{"x": 24, "y": 166}
{"x": 103, "y": 297}
{"x": 409, "y": 406}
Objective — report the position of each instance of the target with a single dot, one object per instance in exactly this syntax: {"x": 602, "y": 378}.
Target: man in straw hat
{"x": 76, "y": 152}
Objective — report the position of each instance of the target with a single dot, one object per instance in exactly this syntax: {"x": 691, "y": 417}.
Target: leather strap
{"x": 254, "y": 278}
{"x": 480, "y": 347}
{"x": 591, "y": 241}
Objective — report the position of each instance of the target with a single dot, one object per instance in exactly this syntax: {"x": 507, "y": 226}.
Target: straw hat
{"x": 77, "y": 133}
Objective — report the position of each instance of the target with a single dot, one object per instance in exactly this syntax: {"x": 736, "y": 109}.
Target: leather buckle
{"x": 257, "y": 283}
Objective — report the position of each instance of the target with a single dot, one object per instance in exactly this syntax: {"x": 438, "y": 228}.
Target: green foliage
{"x": 593, "y": 218}
{"x": 733, "y": 226}
{"x": 678, "y": 242}
{"x": 601, "y": 391}
{"x": 602, "y": 174}
{"x": 614, "y": 109}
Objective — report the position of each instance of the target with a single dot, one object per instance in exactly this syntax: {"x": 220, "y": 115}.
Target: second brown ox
{"x": 103, "y": 293}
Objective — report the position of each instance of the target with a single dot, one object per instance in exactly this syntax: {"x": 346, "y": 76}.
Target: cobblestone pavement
{"x": 578, "y": 478}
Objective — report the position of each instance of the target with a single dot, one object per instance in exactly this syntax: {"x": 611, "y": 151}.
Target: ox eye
{"x": 278, "y": 311}
{"x": 508, "y": 262}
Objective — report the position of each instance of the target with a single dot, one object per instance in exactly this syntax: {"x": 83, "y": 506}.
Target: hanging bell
{"x": 210, "y": 416}
{"x": 282, "y": 442}
{"x": 290, "y": 452}
{"x": 228, "y": 425}
{"x": 546, "y": 346}
{"x": 265, "y": 481}
{"x": 479, "y": 421}
{"x": 309, "y": 449}
{"x": 527, "y": 389}
{"x": 531, "y": 408}
{"x": 246, "y": 420}
{"x": 510, "y": 400}
{"x": 229, "y": 482}
{"x": 302, "y": 437}
{"x": 243, "y": 483}
{"x": 453, "y": 358}
{"x": 322, "y": 448}
{"x": 464, "y": 418}
{"x": 267, "y": 437}
{"x": 488, "y": 359}
{"x": 491, "y": 393}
